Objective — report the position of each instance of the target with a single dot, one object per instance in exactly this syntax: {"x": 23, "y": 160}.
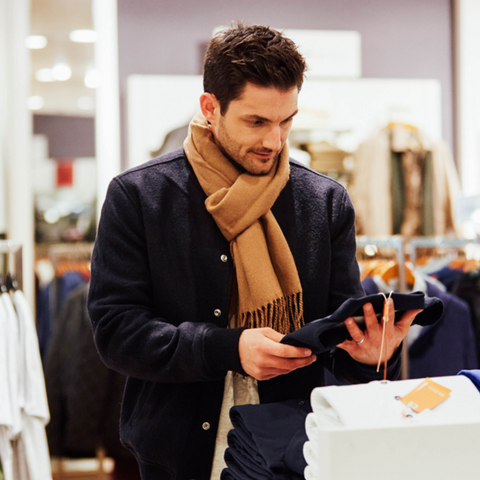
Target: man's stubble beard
{"x": 224, "y": 141}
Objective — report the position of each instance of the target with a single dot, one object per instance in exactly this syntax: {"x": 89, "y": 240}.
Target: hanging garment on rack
{"x": 12, "y": 423}
{"x": 6, "y": 412}
{"x": 83, "y": 394}
{"x": 267, "y": 441}
{"x": 173, "y": 140}
{"x": 444, "y": 348}
{"x": 377, "y": 184}
{"x": 412, "y": 193}
{"x": 49, "y": 303}
{"x": 35, "y": 413}
{"x": 467, "y": 288}
{"x": 23, "y": 443}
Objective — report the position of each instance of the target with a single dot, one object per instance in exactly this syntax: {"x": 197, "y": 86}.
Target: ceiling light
{"x": 86, "y": 103}
{"x": 92, "y": 78}
{"x": 35, "y": 102}
{"x": 61, "y": 72}
{"x": 44, "y": 75}
{"x": 35, "y": 42}
{"x": 83, "y": 36}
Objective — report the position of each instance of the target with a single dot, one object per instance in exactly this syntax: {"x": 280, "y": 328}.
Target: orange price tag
{"x": 428, "y": 394}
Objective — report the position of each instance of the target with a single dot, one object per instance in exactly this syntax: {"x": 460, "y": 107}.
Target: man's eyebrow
{"x": 263, "y": 119}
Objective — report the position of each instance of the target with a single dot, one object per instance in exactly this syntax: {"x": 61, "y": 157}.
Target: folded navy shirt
{"x": 325, "y": 333}
{"x": 266, "y": 442}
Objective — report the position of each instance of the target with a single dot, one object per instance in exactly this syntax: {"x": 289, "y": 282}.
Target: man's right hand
{"x": 264, "y": 357}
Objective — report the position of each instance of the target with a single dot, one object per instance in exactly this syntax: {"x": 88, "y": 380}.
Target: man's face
{"x": 255, "y": 127}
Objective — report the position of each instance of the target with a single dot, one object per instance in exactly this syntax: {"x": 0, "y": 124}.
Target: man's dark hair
{"x": 255, "y": 54}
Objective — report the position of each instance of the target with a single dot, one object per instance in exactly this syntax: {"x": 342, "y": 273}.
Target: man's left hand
{"x": 365, "y": 345}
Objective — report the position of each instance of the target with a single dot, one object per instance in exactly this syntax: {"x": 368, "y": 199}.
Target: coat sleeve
{"x": 344, "y": 273}
{"x": 345, "y": 283}
{"x": 130, "y": 336}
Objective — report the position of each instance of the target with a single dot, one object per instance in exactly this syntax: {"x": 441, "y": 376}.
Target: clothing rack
{"x": 397, "y": 243}
{"x": 69, "y": 252}
{"x": 437, "y": 242}
{"x": 13, "y": 257}
{"x": 408, "y": 248}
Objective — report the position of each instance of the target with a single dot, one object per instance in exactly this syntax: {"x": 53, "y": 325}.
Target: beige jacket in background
{"x": 370, "y": 189}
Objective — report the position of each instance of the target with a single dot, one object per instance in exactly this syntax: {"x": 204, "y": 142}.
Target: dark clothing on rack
{"x": 467, "y": 288}
{"x": 422, "y": 224}
{"x": 448, "y": 346}
{"x": 83, "y": 394}
{"x": 49, "y": 303}
{"x": 160, "y": 296}
{"x": 444, "y": 348}
{"x": 449, "y": 277}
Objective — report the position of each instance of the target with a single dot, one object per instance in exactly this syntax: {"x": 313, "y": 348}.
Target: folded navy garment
{"x": 325, "y": 333}
{"x": 266, "y": 442}
{"x": 473, "y": 375}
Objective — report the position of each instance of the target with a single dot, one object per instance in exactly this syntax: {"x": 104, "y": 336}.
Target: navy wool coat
{"x": 159, "y": 301}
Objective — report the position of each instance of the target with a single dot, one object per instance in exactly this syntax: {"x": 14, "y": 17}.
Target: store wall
{"x": 68, "y": 137}
{"x": 400, "y": 39}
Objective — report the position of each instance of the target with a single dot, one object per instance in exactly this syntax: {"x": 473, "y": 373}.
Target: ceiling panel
{"x": 55, "y": 19}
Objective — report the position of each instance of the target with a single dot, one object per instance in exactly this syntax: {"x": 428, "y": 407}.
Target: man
{"x": 206, "y": 256}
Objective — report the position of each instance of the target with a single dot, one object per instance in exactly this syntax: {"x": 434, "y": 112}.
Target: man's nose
{"x": 273, "y": 139}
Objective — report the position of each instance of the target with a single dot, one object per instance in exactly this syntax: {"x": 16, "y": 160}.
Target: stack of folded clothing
{"x": 266, "y": 441}
{"x": 376, "y": 406}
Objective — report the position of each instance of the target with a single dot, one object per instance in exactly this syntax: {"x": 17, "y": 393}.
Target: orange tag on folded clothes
{"x": 428, "y": 394}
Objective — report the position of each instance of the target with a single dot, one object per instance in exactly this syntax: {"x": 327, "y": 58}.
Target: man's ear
{"x": 210, "y": 107}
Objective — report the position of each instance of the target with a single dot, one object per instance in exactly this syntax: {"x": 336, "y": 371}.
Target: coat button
{"x": 223, "y": 258}
{"x": 217, "y": 312}
{"x": 206, "y": 426}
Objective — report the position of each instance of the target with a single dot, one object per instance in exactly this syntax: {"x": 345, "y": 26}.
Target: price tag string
{"x": 383, "y": 347}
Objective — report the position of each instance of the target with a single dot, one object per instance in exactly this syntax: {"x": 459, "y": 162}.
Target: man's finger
{"x": 354, "y": 330}
{"x": 371, "y": 320}
{"x": 407, "y": 319}
{"x": 288, "y": 351}
{"x": 271, "y": 334}
{"x": 282, "y": 350}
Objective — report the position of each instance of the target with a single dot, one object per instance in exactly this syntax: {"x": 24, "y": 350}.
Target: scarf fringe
{"x": 284, "y": 315}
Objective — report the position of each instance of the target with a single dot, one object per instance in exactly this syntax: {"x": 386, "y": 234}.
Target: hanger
{"x": 407, "y": 126}
{"x": 392, "y": 271}
{"x": 464, "y": 264}
{"x": 471, "y": 265}
{"x": 369, "y": 267}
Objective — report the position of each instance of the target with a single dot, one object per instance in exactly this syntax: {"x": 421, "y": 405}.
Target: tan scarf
{"x": 269, "y": 289}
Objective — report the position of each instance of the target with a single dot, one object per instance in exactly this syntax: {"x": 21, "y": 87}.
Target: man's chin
{"x": 262, "y": 167}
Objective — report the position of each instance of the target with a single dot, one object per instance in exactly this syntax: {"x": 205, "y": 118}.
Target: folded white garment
{"x": 310, "y": 453}
{"x": 309, "y": 473}
{"x": 376, "y": 405}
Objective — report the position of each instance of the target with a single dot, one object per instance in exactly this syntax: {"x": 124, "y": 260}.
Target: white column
{"x": 467, "y": 55}
{"x": 16, "y": 133}
{"x": 107, "y": 117}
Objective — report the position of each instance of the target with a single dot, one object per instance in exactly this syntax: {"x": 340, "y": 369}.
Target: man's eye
{"x": 256, "y": 122}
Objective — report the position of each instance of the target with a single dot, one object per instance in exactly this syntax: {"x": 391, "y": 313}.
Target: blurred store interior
{"x": 90, "y": 88}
